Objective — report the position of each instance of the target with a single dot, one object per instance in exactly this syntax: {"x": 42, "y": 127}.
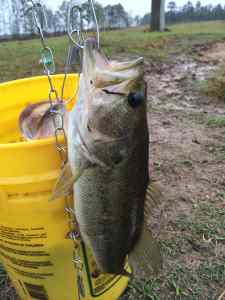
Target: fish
{"x": 36, "y": 121}
{"x": 108, "y": 166}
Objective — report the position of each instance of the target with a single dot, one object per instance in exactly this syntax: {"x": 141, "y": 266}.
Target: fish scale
{"x": 114, "y": 194}
{"x": 108, "y": 236}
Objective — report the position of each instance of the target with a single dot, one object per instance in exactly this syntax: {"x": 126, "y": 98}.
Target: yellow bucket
{"x": 34, "y": 248}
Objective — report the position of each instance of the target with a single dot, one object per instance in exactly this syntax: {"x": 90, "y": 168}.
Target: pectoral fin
{"x": 65, "y": 182}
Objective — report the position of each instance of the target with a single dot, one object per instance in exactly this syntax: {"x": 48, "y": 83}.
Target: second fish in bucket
{"x": 108, "y": 150}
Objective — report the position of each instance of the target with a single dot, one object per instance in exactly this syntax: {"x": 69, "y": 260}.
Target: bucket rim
{"x": 32, "y": 143}
{"x": 34, "y": 78}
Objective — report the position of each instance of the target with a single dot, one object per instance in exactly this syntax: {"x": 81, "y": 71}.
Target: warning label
{"x": 36, "y": 291}
{"x": 22, "y": 249}
{"x": 32, "y": 275}
{"x": 22, "y": 234}
{"x": 26, "y": 263}
{"x": 22, "y": 252}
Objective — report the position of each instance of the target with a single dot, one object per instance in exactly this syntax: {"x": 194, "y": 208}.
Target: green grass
{"x": 216, "y": 121}
{"x": 196, "y": 237}
{"x": 214, "y": 87}
{"x": 211, "y": 28}
{"x": 21, "y": 58}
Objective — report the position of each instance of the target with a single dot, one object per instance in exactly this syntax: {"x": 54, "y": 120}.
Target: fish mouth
{"x": 110, "y": 76}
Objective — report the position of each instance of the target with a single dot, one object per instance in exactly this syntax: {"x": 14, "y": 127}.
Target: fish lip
{"x": 108, "y": 92}
{"x": 103, "y": 73}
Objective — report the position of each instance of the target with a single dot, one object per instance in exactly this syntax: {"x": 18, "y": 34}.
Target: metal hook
{"x": 38, "y": 14}
{"x": 76, "y": 9}
{"x": 96, "y": 23}
{"x": 73, "y": 12}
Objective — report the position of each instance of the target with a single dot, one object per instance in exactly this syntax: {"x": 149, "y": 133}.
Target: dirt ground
{"x": 188, "y": 163}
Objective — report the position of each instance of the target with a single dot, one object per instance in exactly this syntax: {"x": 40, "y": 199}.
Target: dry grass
{"x": 214, "y": 87}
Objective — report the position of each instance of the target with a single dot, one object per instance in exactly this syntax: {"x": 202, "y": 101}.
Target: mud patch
{"x": 215, "y": 54}
{"x": 188, "y": 160}
{"x": 173, "y": 86}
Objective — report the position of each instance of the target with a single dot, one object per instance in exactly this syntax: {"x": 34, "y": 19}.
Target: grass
{"x": 6, "y": 292}
{"x": 214, "y": 87}
{"x": 196, "y": 236}
{"x": 143, "y": 290}
{"x": 21, "y": 58}
{"x": 2, "y": 275}
{"x": 216, "y": 121}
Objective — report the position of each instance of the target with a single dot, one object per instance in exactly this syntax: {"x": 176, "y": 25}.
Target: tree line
{"x": 15, "y": 21}
{"x": 189, "y": 12}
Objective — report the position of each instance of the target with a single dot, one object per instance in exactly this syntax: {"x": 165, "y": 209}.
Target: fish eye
{"x": 117, "y": 158}
{"x": 89, "y": 128}
{"x": 136, "y": 99}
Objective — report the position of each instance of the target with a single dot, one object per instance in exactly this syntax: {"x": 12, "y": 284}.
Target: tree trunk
{"x": 158, "y": 15}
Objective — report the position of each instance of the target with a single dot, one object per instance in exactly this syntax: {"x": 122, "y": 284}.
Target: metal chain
{"x": 74, "y": 235}
{"x": 47, "y": 59}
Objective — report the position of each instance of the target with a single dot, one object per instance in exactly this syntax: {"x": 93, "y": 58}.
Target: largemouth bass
{"x": 108, "y": 145}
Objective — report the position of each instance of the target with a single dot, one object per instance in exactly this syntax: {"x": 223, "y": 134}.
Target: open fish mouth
{"x": 111, "y": 76}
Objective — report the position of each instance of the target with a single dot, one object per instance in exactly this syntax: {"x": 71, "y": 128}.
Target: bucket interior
{"x": 15, "y": 96}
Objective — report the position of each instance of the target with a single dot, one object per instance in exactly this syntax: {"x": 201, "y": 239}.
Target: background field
{"x": 21, "y": 59}
{"x": 186, "y": 88}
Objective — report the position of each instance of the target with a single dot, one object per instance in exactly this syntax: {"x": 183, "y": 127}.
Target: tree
{"x": 54, "y": 23}
{"x": 50, "y": 19}
{"x": 189, "y": 10}
{"x": 137, "y": 20}
{"x": 121, "y": 15}
{"x": 116, "y": 16}
{"x": 62, "y": 15}
{"x": 146, "y": 19}
{"x": 158, "y": 15}
{"x": 218, "y": 12}
{"x": 99, "y": 9}
{"x": 15, "y": 25}
{"x": 171, "y": 14}
{"x": 28, "y": 22}
{"x": 172, "y": 6}
{"x": 198, "y": 6}
{"x": 109, "y": 16}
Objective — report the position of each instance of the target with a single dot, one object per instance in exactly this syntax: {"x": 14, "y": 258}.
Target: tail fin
{"x": 145, "y": 259}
